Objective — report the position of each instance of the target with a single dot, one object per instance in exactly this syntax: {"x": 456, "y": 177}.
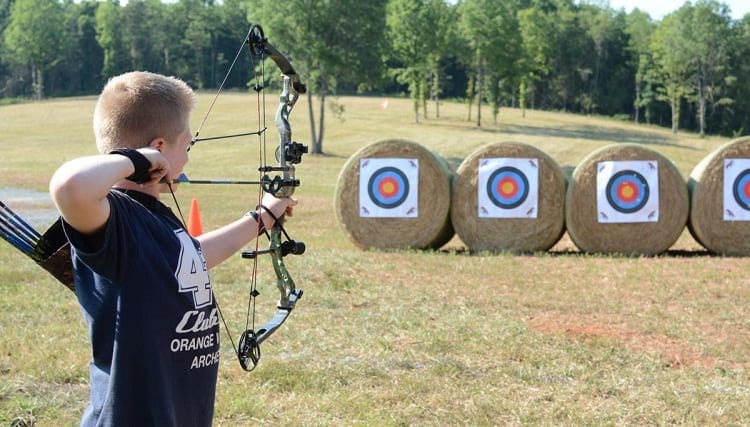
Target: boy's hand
{"x": 279, "y": 207}
{"x": 159, "y": 165}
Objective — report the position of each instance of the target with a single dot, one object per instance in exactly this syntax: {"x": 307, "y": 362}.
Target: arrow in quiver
{"x": 50, "y": 250}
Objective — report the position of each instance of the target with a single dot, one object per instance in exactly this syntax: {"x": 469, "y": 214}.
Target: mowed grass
{"x": 406, "y": 337}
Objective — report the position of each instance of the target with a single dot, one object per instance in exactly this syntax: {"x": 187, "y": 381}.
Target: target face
{"x": 627, "y": 191}
{"x": 508, "y": 187}
{"x": 737, "y": 189}
{"x": 388, "y": 187}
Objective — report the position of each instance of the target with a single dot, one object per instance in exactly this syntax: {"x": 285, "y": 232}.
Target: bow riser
{"x": 288, "y": 152}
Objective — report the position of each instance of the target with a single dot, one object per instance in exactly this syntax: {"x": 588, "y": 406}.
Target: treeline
{"x": 690, "y": 70}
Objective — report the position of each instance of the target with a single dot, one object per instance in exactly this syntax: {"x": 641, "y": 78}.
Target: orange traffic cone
{"x": 194, "y": 226}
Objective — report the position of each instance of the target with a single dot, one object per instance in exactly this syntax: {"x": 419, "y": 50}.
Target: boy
{"x": 141, "y": 280}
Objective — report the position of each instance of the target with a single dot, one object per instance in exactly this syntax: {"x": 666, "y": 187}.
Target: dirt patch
{"x": 675, "y": 352}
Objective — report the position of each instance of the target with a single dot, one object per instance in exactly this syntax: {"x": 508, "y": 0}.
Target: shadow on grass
{"x": 577, "y": 131}
{"x": 672, "y": 253}
{"x": 596, "y": 133}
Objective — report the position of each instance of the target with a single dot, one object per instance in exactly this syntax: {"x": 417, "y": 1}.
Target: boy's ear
{"x": 157, "y": 143}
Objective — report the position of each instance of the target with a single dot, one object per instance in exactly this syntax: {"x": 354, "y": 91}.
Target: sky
{"x": 659, "y": 8}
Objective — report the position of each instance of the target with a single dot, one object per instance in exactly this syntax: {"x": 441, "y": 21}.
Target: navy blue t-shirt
{"x": 153, "y": 322}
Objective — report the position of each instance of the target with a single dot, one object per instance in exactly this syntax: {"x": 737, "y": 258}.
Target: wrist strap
{"x": 256, "y": 217}
{"x": 141, "y": 164}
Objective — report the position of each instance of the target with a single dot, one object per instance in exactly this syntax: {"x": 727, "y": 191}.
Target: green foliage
{"x": 333, "y": 43}
{"x": 491, "y": 32}
{"x": 639, "y": 29}
{"x": 109, "y": 36}
{"x": 415, "y": 46}
{"x": 544, "y": 54}
{"x": 36, "y": 37}
{"x": 691, "y": 48}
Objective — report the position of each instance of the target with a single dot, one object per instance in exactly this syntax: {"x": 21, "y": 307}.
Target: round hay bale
{"x": 536, "y": 224}
{"x": 430, "y": 228}
{"x": 649, "y": 227}
{"x": 720, "y": 225}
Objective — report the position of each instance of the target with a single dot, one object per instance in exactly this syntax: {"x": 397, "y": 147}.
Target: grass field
{"x": 408, "y": 337}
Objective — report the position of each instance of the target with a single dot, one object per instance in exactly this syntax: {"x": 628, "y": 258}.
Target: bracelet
{"x": 141, "y": 164}
{"x": 256, "y": 217}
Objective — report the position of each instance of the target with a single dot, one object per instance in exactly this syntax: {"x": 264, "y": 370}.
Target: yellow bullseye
{"x": 388, "y": 188}
{"x": 627, "y": 191}
{"x": 508, "y": 188}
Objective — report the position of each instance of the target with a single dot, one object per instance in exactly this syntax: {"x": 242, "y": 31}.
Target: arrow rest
{"x": 277, "y": 184}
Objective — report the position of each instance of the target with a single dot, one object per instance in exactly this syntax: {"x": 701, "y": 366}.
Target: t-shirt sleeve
{"x": 108, "y": 252}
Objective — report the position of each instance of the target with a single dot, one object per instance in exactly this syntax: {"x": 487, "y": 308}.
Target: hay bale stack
{"x": 712, "y": 223}
{"x": 537, "y": 232}
{"x": 582, "y": 215}
{"x": 430, "y": 229}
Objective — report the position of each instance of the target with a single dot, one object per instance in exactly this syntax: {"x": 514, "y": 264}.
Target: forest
{"x": 690, "y": 70}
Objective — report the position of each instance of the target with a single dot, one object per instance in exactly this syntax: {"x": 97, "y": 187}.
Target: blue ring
{"x": 742, "y": 181}
{"x": 620, "y": 205}
{"x": 508, "y": 202}
{"x": 395, "y": 200}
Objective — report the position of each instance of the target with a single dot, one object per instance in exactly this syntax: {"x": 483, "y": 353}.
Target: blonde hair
{"x": 136, "y": 107}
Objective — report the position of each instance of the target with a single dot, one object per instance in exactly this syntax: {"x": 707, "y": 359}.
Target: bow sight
{"x": 293, "y": 152}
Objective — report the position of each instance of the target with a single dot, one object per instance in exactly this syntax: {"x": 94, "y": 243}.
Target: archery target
{"x": 736, "y": 189}
{"x": 627, "y": 191}
{"x": 508, "y": 188}
{"x": 388, "y": 188}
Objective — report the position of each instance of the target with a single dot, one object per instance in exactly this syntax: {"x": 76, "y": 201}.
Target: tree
{"x": 331, "y": 42}
{"x": 671, "y": 57}
{"x": 36, "y": 37}
{"x": 414, "y": 45}
{"x": 609, "y": 88}
{"x": 709, "y": 33}
{"x": 230, "y": 24}
{"x": 490, "y": 30}
{"x": 445, "y": 43}
{"x": 568, "y": 65}
{"x": 639, "y": 28}
{"x": 537, "y": 37}
{"x": 144, "y": 35}
{"x": 196, "y": 41}
{"x": 736, "y": 121}
{"x": 84, "y": 55}
{"x": 109, "y": 35}
{"x": 690, "y": 48}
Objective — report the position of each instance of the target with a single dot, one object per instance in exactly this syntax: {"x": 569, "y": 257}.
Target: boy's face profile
{"x": 176, "y": 152}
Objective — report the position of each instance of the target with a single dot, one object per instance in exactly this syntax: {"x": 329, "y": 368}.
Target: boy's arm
{"x": 220, "y": 244}
{"x": 79, "y": 187}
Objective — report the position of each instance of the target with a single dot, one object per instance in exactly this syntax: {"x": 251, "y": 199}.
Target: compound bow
{"x": 283, "y": 184}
